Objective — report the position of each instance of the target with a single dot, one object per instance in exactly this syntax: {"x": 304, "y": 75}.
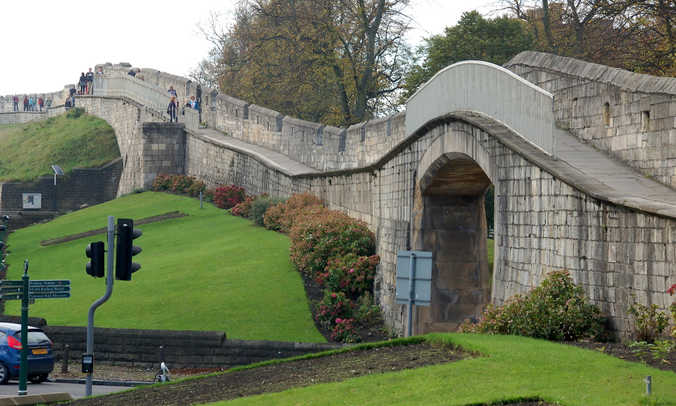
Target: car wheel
{"x": 38, "y": 378}
{"x": 4, "y": 374}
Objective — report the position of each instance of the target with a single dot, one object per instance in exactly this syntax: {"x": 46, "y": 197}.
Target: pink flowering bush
{"x": 344, "y": 331}
{"x": 320, "y": 234}
{"x": 242, "y": 209}
{"x": 334, "y": 305}
{"x": 556, "y": 310}
{"x": 226, "y": 197}
{"x": 349, "y": 273}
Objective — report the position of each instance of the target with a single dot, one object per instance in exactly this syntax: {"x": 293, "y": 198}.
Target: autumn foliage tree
{"x": 333, "y": 61}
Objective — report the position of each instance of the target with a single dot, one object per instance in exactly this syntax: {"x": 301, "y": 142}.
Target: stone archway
{"x": 449, "y": 220}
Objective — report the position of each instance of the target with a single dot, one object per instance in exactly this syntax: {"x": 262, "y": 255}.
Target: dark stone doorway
{"x": 452, "y": 224}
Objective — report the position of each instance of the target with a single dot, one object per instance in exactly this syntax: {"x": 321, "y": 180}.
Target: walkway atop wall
{"x": 271, "y": 159}
{"x": 578, "y": 164}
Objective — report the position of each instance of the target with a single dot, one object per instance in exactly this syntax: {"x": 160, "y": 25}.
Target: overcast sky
{"x": 46, "y": 43}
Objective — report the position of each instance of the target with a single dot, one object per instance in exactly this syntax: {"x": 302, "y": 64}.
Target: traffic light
{"x": 95, "y": 267}
{"x": 126, "y": 250}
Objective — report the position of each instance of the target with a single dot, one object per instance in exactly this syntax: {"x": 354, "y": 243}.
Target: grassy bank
{"x": 70, "y": 141}
{"x": 509, "y": 368}
{"x": 206, "y": 271}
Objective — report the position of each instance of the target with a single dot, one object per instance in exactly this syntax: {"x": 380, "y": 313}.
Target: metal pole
{"x": 201, "y": 201}
{"x": 101, "y": 300}
{"x": 411, "y": 293}
{"x": 648, "y": 385}
{"x": 23, "y": 371}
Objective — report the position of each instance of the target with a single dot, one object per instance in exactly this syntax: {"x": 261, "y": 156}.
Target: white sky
{"x": 45, "y": 44}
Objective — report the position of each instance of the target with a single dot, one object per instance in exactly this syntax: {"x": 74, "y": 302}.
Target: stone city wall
{"x": 542, "y": 223}
{"x": 629, "y": 115}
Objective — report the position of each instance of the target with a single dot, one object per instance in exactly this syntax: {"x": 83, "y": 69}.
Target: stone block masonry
{"x": 182, "y": 349}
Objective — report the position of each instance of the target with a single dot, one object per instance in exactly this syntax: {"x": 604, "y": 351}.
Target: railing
{"x": 490, "y": 90}
{"x": 147, "y": 94}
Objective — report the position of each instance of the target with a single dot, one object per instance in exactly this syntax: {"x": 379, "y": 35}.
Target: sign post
{"x": 88, "y": 357}
{"x": 23, "y": 371}
{"x": 414, "y": 281}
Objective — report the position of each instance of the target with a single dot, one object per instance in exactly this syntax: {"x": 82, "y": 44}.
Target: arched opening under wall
{"x": 452, "y": 224}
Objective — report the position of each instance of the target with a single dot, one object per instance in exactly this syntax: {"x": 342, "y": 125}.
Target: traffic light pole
{"x": 101, "y": 300}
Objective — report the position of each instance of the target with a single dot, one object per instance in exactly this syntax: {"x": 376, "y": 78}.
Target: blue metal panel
{"x": 422, "y": 279}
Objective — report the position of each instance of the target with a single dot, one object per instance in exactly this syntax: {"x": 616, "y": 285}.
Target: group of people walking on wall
{"x": 86, "y": 82}
{"x": 31, "y": 103}
{"x": 194, "y": 102}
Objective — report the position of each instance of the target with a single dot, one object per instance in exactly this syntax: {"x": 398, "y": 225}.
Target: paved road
{"x": 76, "y": 390}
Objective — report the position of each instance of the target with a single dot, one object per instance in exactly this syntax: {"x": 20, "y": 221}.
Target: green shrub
{"x": 181, "y": 184}
{"x": 320, "y": 234}
{"x": 282, "y": 216}
{"x": 75, "y": 112}
{"x": 366, "y": 313}
{"x": 672, "y": 291}
{"x": 555, "y": 310}
{"x": 649, "y": 322}
{"x": 259, "y": 206}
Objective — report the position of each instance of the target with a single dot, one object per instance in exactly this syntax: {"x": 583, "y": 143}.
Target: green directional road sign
{"x": 11, "y": 283}
{"x": 10, "y": 289}
{"x": 54, "y": 282}
{"x": 52, "y": 295}
{"x": 11, "y": 297}
{"x": 47, "y": 289}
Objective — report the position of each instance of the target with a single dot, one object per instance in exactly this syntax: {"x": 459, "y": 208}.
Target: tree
{"x": 334, "y": 61}
{"x": 474, "y": 37}
{"x": 632, "y": 34}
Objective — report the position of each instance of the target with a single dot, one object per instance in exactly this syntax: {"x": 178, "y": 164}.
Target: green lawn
{"x": 206, "y": 271}
{"x": 28, "y": 150}
{"x": 510, "y": 367}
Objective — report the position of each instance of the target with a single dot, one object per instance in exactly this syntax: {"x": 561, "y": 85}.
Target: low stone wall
{"x": 182, "y": 349}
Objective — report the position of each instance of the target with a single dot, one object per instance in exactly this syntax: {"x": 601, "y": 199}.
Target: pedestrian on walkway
{"x": 83, "y": 83}
{"x": 31, "y": 103}
{"x": 15, "y": 99}
{"x": 172, "y": 110}
{"x": 41, "y": 102}
{"x": 90, "y": 81}
{"x": 25, "y": 103}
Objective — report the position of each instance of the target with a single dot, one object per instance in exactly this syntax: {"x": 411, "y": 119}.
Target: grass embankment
{"x": 509, "y": 368}
{"x": 206, "y": 271}
{"x": 27, "y": 151}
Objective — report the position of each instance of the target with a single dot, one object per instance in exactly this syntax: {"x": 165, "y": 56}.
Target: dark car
{"x": 40, "y": 358}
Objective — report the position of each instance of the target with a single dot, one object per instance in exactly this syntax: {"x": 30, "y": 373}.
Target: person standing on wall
{"x": 90, "y": 80}
{"x": 198, "y": 93}
{"x": 41, "y": 102}
{"x": 25, "y": 103}
{"x": 83, "y": 83}
{"x": 172, "y": 110}
{"x": 15, "y": 99}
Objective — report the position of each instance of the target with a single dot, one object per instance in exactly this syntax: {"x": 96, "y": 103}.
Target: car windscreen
{"x": 35, "y": 337}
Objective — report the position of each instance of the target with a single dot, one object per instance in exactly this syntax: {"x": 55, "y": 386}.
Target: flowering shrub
{"x": 283, "y": 215}
{"x": 344, "y": 331}
{"x": 555, "y": 310}
{"x": 649, "y": 322}
{"x": 178, "y": 184}
{"x": 226, "y": 197}
{"x": 320, "y": 234}
{"x": 334, "y": 305}
{"x": 242, "y": 209}
{"x": 349, "y": 273}
{"x": 259, "y": 207}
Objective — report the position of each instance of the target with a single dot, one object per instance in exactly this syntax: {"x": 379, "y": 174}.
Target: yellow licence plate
{"x": 40, "y": 351}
